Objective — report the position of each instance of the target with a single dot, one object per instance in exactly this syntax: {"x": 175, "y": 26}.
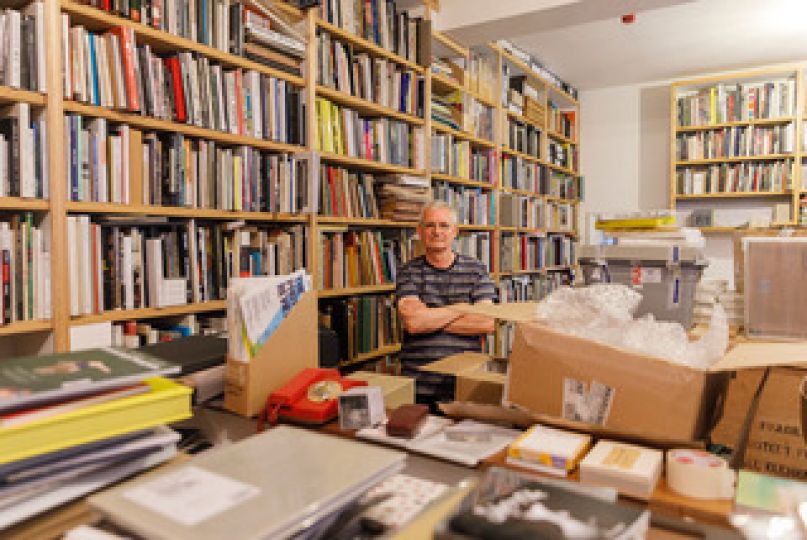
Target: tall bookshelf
{"x": 74, "y": 205}
{"x": 736, "y": 148}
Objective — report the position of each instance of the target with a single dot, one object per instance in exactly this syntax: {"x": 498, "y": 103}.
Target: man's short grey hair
{"x": 439, "y": 205}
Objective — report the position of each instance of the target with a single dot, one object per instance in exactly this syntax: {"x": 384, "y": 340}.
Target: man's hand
{"x": 418, "y": 318}
{"x": 469, "y": 324}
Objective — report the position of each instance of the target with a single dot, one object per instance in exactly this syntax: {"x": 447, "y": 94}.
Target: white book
{"x": 14, "y": 48}
{"x": 4, "y": 184}
{"x": 72, "y": 264}
{"x": 154, "y": 276}
{"x": 86, "y": 264}
{"x": 67, "y": 63}
{"x": 123, "y": 193}
{"x": 631, "y": 469}
{"x": 127, "y": 269}
{"x": 98, "y": 256}
{"x": 37, "y": 11}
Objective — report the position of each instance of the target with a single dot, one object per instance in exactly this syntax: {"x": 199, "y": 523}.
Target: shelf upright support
{"x": 59, "y": 250}
{"x": 311, "y": 137}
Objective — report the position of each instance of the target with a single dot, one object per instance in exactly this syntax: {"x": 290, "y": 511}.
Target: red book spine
{"x": 239, "y": 102}
{"x": 175, "y": 72}
{"x": 127, "y": 46}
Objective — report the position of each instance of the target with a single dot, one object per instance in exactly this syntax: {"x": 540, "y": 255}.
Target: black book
{"x": 10, "y": 129}
{"x": 192, "y": 353}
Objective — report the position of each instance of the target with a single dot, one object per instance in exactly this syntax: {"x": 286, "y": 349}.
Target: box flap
{"x": 467, "y": 364}
{"x": 513, "y": 311}
{"x": 758, "y": 354}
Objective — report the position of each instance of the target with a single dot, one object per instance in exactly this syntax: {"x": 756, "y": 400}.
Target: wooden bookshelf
{"x": 366, "y": 107}
{"x": 524, "y": 120}
{"x": 353, "y": 291}
{"x": 149, "y": 313}
{"x": 96, "y": 19}
{"x": 368, "y": 164}
{"x": 731, "y": 159}
{"x": 364, "y": 45}
{"x": 180, "y": 212}
{"x": 19, "y": 203}
{"x": 561, "y": 138}
{"x": 461, "y": 181}
{"x": 524, "y": 68}
{"x": 472, "y": 227}
{"x": 15, "y": 95}
{"x": 562, "y": 169}
{"x": 522, "y": 155}
{"x": 735, "y": 195}
{"x": 745, "y": 123}
{"x": 443, "y": 84}
{"x": 365, "y": 222}
{"x": 25, "y": 327}
{"x": 463, "y": 135}
{"x": 372, "y": 355}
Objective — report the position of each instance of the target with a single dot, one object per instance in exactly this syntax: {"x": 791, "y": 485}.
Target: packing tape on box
{"x": 699, "y": 474}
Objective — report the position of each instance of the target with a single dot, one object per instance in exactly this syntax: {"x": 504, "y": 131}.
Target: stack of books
{"x": 401, "y": 197}
{"x": 75, "y": 422}
{"x": 447, "y": 109}
{"x": 549, "y": 450}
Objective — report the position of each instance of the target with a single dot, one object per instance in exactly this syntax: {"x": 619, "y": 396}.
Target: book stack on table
{"x": 75, "y": 422}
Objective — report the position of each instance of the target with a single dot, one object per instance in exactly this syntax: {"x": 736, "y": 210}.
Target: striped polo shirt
{"x": 465, "y": 281}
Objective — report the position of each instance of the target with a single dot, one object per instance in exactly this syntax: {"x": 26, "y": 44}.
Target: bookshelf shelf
{"x": 14, "y": 95}
{"x": 562, "y": 169}
{"x": 762, "y": 122}
{"x": 523, "y": 193}
{"x": 175, "y": 211}
{"x": 366, "y": 222}
{"x": 464, "y": 135}
{"x": 369, "y": 289}
{"x": 367, "y": 46}
{"x": 735, "y": 195}
{"x": 154, "y": 124}
{"x": 443, "y": 84}
{"x": 25, "y": 327}
{"x": 472, "y": 227}
{"x": 539, "y": 231}
{"x": 762, "y": 157}
{"x": 523, "y": 119}
{"x": 149, "y": 313}
{"x": 461, "y": 181}
{"x": 507, "y": 228}
{"x": 366, "y": 107}
{"x": 561, "y": 231}
{"x": 446, "y": 41}
{"x": 368, "y": 164}
{"x": 18, "y": 203}
{"x": 94, "y": 18}
{"x": 372, "y": 355}
{"x": 522, "y": 155}
{"x": 561, "y": 138}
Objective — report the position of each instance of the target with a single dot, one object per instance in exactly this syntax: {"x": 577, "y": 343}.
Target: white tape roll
{"x": 699, "y": 474}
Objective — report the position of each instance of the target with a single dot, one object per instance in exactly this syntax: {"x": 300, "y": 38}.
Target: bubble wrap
{"x": 604, "y": 313}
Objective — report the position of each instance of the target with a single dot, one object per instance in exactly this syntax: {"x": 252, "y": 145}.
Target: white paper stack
{"x": 632, "y": 470}
{"x": 549, "y": 450}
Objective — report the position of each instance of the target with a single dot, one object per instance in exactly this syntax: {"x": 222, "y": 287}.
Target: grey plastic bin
{"x": 666, "y": 276}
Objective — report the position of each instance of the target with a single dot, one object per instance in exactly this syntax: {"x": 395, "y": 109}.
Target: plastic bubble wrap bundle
{"x": 604, "y": 313}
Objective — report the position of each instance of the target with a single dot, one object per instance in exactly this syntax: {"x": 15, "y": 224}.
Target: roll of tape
{"x": 699, "y": 474}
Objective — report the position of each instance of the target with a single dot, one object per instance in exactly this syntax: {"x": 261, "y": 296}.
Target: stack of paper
{"x": 549, "y": 450}
{"x": 72, "y": 423}
{"x": 633, "y": 470}
{"x": 255, "y": 308}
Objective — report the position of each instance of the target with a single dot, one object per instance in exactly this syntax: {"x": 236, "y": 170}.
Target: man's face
{"x": 436, "y": 230}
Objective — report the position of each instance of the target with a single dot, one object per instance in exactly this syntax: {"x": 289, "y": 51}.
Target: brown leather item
{"x": 406, "y": 420}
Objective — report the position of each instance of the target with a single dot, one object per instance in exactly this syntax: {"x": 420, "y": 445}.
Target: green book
{"x": 35, "y": 380}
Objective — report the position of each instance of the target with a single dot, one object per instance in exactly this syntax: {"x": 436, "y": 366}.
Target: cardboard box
{"x": 397, "y": 390}
{"x": 479, "y": 377}
{"x": 292, "y": 347}
{"x": 559, "y": 375}
{"x": 776, "y": 443}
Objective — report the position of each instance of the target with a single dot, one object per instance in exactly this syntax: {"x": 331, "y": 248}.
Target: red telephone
{"x": 310, "y": 397}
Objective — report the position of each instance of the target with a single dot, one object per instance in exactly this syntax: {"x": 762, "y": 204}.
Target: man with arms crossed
{"x": 425, "y": 286}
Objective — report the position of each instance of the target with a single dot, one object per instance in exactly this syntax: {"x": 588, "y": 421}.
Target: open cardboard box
{"x": 597, "y": 386}
{"x": 479, "y": 377}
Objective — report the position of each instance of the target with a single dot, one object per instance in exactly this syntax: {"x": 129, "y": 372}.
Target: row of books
{"x": 523, "y": 97}
{"x": 523, "y": 252}
{"x": 524, "y": 138}
{"x": 356, "y": 259}
{"x": 457, "y": 157}
{"x": 135, "y": 334}
{"x": 746, "y": 177}
{"x": 562, "y": 121}
{"x": 382, "y": 23}
{"x": 479, "y": 117}
{"x": 72, "y": 423}
{"x": 736, "y": 141}
{"x": 25, "y": 292}
{"x": 22, "y": 47}
{"x": 375, "y": 79}
{"x": 564, "y": 185}
{"x": 474, "y": 206}
{"x": 447, "y": 109}
{"x": 363, "y": 323}
{"x": 111, "y": 70}
{"x": 733, "y": 102}
{"x": 477, "y": 245}
{"x": 346, "y": 193}
{"x": 521, "y": 211}
{"x": 344, "y": 131}
{"x": 223, "y": 24}
{"x": 23, "y": 152}
{"x": 480, "y": 74}
{"x": 560, "y": 216}
{"x": 519, "y": 173}
{"x": 401, "y": 197}
{"x": 563, "y": 155}
{"x": 537, "y": 67}
{"x": 152, "y": 262}
{"x": 531, "y": 287}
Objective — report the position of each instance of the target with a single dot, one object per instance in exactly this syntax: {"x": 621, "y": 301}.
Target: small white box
{"x": 361, "y": 407}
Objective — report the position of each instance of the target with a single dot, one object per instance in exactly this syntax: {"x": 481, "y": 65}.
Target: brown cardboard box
{"x": 397, "y": 390}
{"x": 292, "y": 347}
{"x": 480, "y": 378}
{"x": 776, "y": 443}
{"x": 560, "y": 375}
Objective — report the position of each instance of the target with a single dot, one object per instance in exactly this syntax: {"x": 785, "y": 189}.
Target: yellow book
{"x": 166, "y": 402}
{"x": 336, "y": 119}
{"x": 713, "y": 105}
{"x": 237, "y": 188}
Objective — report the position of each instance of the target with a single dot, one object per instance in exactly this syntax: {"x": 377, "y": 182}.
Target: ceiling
{"x": 585, "y": 43}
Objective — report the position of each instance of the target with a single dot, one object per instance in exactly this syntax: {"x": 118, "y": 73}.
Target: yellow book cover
{"x": 320, "y": 116}
{"x": 166, "y": 402}
{"x": 237, "y": 188}
{"x": 713, "y": 105}
{"x": 336, "y": 118}
{"x": 551, "y": 447}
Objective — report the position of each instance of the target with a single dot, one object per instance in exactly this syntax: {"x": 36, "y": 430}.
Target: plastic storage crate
{"x": 665, "y": 275}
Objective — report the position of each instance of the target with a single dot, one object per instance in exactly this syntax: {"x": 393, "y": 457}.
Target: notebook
{"x": 269, "y": 485}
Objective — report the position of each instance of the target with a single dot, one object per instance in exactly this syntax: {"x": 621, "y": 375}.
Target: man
{"x": 425, "y": 286}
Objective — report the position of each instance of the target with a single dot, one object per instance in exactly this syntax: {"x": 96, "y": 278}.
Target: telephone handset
{"x": 309, "y": 397}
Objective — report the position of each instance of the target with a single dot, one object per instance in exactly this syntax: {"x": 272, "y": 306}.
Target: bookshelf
{"x": 350, "y": 180}
{"x": 735, "y": 148}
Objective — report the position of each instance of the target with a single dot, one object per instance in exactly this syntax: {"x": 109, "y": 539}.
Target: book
{"x": 633, "y": 470}
{"x": 166, "y": 402}
{"x": 237, "y": 491}
{"x": 550, "y": 448}
{"x": 33, "y": 380}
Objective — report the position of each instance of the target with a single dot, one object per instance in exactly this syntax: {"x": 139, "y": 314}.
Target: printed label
{"x": 583, "y": 405}
{"x": 622, "y": 458}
